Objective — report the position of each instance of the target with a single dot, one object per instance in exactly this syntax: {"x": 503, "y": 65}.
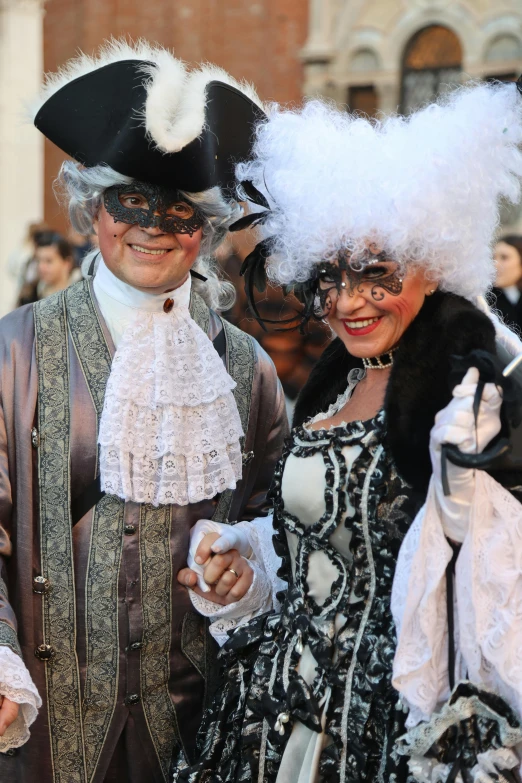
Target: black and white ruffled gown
{"x": 308, "y": 694}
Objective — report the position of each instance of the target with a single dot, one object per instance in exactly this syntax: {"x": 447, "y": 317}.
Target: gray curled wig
{"x": 81, "y": 191}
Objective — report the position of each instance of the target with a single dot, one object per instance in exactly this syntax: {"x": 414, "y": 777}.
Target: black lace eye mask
{"x": 379, "y": 276}
{"x": 155, "y": 207}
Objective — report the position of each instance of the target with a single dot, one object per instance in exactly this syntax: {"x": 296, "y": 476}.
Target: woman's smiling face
{"x": 370, "y": 310}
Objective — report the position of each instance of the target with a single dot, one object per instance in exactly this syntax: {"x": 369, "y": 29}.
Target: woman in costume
{"x": 384, "y": 230}
{"x": 506, "y": 291}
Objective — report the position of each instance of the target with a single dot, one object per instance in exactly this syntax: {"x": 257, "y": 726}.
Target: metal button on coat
{"x": 129, "y": 530}
{"x": 41, "y": 585}
{"x": 133, "y": 698}
{"x": 136, "y": 646}
{"x": 44, "y": 652}
{"x": 168, "y": 304}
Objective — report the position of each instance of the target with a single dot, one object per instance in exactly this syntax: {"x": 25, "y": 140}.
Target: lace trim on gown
{"x": 265, "y": 561}
{"x": 354, "y": 376}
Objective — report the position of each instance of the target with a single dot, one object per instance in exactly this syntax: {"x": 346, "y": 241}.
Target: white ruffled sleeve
{"x": 488, "y": 592}
{"x": 16, "y": 684}
{"x": 262, "y": 595}
{"x": 418, "y": 606}
{"x": 487, "y": 612}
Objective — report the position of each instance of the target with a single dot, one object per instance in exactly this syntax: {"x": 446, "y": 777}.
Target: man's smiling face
{"x": 147, "y": 257}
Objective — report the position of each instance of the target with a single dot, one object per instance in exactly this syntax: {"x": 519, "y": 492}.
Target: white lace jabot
{"x": 170, "y": 428}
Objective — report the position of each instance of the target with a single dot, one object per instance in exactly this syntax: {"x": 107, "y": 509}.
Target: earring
{"x": 432, "y": 291}
{"x": 343, "y": 285}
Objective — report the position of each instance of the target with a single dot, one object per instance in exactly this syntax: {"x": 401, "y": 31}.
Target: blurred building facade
{"x": 389, "y": 55}
{"x": 259, "y": 41}
{"x": 395, "y": 55}
{"x": 21, "y": 146}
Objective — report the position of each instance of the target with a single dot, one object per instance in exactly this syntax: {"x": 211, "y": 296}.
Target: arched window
{"x": 364, "y": 60}
{"x": 432, "y": 64}
{"x": 502, "y": 53}
{"x": 503, "y": 47}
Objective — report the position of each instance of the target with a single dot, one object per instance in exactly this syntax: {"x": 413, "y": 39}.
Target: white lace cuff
{"x": 262, "y": 595}
{"x": 16, "y": 684}
{"x": 256, "y": 601}
{"x": 261, "y": 534}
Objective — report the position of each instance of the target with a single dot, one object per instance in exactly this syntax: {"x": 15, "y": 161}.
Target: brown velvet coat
{"x": 145, "y": 609}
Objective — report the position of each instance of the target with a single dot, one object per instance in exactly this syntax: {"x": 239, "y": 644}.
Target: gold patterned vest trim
{"x": 101, "y": 587}
{"x": 240, "y": 363}
{"x": 78, "y": 731}
{"x": 58, "y": 606}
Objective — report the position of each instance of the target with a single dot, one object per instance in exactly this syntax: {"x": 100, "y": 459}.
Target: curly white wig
{"x": 424, "y": 188}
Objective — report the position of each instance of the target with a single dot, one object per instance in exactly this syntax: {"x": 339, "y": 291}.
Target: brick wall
{"x": 257, "y": 40}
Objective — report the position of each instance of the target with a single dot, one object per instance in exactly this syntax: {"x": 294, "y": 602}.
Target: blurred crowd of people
{"x": 47, "y": 262}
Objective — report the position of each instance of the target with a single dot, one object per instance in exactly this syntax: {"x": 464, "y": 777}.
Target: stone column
{"x": 317, "y": 51}
{"x": 388, "y": 89}
{"x": 21, "y": 145}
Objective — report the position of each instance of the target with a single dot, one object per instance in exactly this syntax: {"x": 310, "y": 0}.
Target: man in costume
{"x": 129, "y": 410}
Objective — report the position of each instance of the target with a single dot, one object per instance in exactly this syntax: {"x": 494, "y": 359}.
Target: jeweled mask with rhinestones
{"x": 152, "y": 206}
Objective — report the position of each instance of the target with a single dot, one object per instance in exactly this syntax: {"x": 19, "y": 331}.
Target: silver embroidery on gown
{"x": 315, "y": 679}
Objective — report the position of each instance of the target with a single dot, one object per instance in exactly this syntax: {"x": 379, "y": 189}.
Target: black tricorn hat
{"x": 138, "y": 110}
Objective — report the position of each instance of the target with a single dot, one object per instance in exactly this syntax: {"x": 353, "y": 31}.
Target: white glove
{"x": 231, "y": 537}
{"x": 455, "y": 424}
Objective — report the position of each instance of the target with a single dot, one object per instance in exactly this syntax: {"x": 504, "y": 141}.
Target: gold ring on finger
{"x": 233, "y": 572}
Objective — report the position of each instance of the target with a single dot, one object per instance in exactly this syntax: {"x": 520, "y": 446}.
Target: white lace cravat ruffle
{"x": 170, "y": 427}
{"x": 16, "y": 684}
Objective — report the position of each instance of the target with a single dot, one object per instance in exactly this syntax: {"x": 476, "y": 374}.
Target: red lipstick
{"x": 362, "y": 330}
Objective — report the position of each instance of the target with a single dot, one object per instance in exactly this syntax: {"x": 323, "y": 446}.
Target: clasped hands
{"x": 456, "y": 424}
{"x": 224, "y": 565}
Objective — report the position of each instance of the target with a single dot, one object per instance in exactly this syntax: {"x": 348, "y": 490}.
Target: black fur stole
{"x": 420, "y": 384}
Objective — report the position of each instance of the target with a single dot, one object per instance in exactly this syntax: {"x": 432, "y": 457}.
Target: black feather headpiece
{"x": 253, "y": 268}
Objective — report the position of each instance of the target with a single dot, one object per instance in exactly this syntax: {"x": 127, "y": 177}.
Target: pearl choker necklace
{"x": 381, "y": 362}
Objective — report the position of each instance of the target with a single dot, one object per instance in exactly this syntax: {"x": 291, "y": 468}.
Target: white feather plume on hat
{"x": 425, "y": 188}
{"x": 174, "y": 112}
